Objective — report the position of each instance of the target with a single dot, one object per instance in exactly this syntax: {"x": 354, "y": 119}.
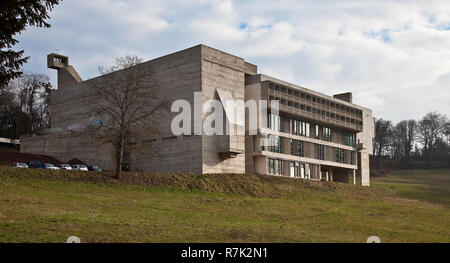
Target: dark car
{"x": 94, "y": 168}
{"x": 34, "y": 164}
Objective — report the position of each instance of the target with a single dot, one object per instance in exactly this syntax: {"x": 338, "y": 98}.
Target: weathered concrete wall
{"x": 225, "y": 72}
{"x": 177, "y": 75}
{"x": 365, "y": 137}
{"x": 65, "y": 146}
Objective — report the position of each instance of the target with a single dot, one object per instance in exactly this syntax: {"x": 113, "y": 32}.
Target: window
{"x": 320, "y": 152}
{"x": 271, "y": 166}
{"x": 300, "y": 128}
{"x": 352, "y": 158}
{"x": 336, "y": 155}
{"x": 275, "y": 167}
{"x": 317, "y": 132}
{"x": 274, "y": 122}
{"x": 297, "y": 148}
{"x": 326, "y": 134}
{"x": 349, "y": 139}
{"x": 275, "y": 144}
{"x": 339, "y": 155}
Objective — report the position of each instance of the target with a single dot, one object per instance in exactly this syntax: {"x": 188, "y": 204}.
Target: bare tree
{"x": 432, "y": 129}
{"x": 125, "y": 108}
{"x": 403, "y": 137}
{"x": 383, "y": 131}
{"x": 8, "y": 112}
{"x": 33, "y": 98}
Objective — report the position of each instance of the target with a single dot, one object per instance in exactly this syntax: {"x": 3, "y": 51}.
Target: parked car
{"x": 50, "y": 166}
{"x": 65, "y": 166}
{"x": 34, "y": 164}
{"x": 20, "y": 165}
{"x": 79, "y": 167}
{"x": 94, "y": 168}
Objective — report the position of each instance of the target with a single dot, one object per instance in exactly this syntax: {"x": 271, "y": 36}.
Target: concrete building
{"x": 313, "y": 135}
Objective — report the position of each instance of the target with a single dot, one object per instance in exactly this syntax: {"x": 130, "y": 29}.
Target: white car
{"x": 79, "y": 167}
{"x": 64, "y": 166}
{"x": 20, "y": 165}
{"x": 50, "y": 166}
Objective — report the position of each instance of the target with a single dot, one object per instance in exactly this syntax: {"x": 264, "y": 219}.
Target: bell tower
{"x": 67, "y": 75}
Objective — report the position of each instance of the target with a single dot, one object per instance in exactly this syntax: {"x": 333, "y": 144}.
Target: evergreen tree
{"x": 15, "y": 16}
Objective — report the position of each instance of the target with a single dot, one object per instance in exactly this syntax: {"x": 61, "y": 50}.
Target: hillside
{"x": 48, "y": 206}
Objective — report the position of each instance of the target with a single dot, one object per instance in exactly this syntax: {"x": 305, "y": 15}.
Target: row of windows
{"x": 303, "y": 128}
{"x": 298, "y": 149}
{"x": 315, "y": 99}
{"x": 296, "y": 169}
{"x": 303, "y": 170}
{"x": 317, "y": 111}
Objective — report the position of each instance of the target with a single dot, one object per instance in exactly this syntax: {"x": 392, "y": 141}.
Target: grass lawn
{"x": 49, "y": 206}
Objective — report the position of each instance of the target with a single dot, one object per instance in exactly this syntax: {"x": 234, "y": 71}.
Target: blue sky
{"x": 393, "y": 55}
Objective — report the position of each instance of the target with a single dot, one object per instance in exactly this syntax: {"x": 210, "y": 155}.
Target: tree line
{"x": 412, "y": 143}
{"x": 24, "y": 98}
{"x": 24, "y": 105}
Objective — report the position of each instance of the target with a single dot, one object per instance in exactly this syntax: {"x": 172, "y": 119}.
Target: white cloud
{"x": 393, "y": 55}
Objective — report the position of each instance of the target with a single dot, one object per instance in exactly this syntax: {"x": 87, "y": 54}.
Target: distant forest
{"x": 423, "y": 143}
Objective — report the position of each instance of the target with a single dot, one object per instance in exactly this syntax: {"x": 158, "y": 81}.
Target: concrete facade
{"x": 204, "y": 73}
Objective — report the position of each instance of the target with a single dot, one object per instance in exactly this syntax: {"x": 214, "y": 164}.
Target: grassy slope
{"x": 43, "y": 206}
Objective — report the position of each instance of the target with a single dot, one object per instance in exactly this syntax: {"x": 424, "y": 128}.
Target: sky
{"x": 394, "y": 56}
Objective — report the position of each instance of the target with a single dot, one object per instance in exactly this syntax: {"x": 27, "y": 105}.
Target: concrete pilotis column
{"x": 354, "y": 176}
{"x": 330, "y": 171}
{"x": 326, "y": 176}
